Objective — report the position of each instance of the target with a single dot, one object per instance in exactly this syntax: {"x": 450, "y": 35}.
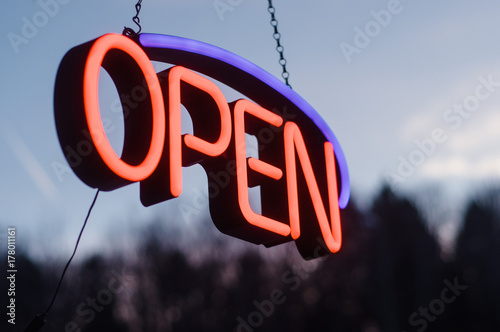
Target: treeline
{"x": 390, "y": 275}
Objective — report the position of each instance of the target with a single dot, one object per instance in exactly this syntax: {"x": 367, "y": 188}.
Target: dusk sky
{"x": 410, "y": 88}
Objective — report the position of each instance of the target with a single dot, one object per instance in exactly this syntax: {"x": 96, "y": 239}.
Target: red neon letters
{"x": 293, "y": 194}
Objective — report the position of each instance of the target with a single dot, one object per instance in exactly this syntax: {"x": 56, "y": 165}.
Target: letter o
{"x": 213, "y": 190}
{"x": 440, "y": 307}
{"x": 84, "y": 148}
{"x": 255, "y": 319}
{"x": 266, "y": 135}
{"x": 370, "y": 31}
{"x": 93, "y": 116}
{"x": 109, "y": 297}
{"x": 419, "y": 154}
{"x": 139, "y": 96}
{"x": 471, "y": 103}
{"x": 40, "y": 19}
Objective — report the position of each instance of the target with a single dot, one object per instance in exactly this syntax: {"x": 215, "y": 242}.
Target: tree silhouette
{"x": 478, "y": 264}
{"x": 405, "y": 260}
{"x": 388, "y": 270}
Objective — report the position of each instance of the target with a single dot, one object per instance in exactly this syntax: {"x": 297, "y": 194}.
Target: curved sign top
{"x": 223, "y": 65}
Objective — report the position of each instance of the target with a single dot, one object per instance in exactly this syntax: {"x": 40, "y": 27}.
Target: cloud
{"x": 416, "y": 125}
{"x": 29, "y": 162}
{"x": 472, "y": 152}
{"x": 458, "y": 166}
{"x": 480, "y": 135}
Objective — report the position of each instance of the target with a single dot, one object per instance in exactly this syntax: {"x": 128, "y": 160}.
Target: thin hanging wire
{"x": 37, "y": 323}
{"x": 129, "y": 31}
{"x": 277, "y": 36}
{"x": 74, "y": 252}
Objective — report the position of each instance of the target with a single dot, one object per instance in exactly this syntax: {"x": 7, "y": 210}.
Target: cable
{"x": 74, "y": 252}
{"x": 277, "y": 36}
{"x": 37, "y": 323}
{"x": 136, "y": 19}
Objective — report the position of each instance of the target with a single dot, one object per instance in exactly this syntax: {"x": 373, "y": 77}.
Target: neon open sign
{"x": 301, "y": 169}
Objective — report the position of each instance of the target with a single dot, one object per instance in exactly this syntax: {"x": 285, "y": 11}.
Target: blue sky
{"x": 408, "y": 73}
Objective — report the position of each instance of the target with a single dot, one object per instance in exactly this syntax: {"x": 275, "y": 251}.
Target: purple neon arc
{"x": 197, "y": 47}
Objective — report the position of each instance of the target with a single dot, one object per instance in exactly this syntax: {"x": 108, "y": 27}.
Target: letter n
{"x": 330, "y": 230}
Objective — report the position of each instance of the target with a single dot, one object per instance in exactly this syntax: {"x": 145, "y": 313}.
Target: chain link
{"x": 277, "y": 36}
{"x": 128, "y": 31}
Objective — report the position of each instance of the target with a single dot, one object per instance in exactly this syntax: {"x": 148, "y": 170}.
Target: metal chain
{"x": 277, "y": 36}
{"x": 136, "y": 19}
